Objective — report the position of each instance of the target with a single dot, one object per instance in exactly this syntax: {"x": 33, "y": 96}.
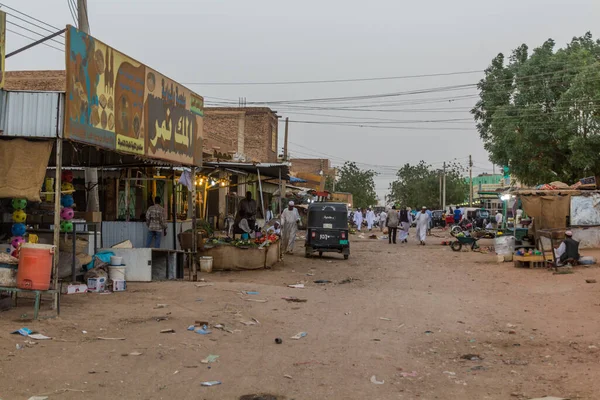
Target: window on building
{"x": 273, "y": 139}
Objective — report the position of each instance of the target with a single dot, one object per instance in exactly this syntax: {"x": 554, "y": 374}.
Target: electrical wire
{"x": 34, "y": 24}
{"x": 34, "y": 40}
{"x": 385, "y": 78}
{"x": 32, "y": 31}
{"x": 29, "y": 16}
{"x": 73, "y": 11}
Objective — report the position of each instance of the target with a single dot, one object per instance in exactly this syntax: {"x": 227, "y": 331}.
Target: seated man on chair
{"x": 568, "y": 251}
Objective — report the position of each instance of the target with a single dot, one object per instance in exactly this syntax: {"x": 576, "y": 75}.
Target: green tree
{"x": 419, "y": 185}
{"x": 539, "y": 113}
{"x": 359, "y": 182}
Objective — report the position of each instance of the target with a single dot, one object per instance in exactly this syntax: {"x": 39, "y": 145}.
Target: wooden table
{"x": 533, "y": 261}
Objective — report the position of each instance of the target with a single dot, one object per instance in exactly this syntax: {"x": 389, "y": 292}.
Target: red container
{"x": 35, "y": 266}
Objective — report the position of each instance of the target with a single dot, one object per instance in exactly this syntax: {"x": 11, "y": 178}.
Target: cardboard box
{"x": 75, "y": 288}
{"x": 119, "y": 285}
{"x": 89, "y": 216}
{"x": 96, "y": 284}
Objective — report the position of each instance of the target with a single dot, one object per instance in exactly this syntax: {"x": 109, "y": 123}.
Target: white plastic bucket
{"x": 206, "y": 264}
{"x": 116, "y": 261}
{"x": 116, "y": 273}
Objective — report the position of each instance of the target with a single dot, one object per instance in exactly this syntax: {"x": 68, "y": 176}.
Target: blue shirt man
{"x": 457, "y": 214}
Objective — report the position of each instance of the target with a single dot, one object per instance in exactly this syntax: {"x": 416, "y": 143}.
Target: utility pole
{"x": 441, "y": 180}
{"x": 470, "y": 181}
{"x": 444, "y": 188}
{"x": 285, "y": 140}
{"x": 334, "y": 177}
{"x": 91, "y": 174}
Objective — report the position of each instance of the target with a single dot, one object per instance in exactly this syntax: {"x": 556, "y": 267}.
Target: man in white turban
{"x": 289, "y": 227}
{"x": 422, "y": 220}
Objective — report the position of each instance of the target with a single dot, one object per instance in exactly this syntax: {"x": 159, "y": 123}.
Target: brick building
{"x": 313, "y": 170}
{"x": 248, "y": 133}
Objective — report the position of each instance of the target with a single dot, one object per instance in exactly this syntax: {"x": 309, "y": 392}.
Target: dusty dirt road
{"x": 407, "y": 317}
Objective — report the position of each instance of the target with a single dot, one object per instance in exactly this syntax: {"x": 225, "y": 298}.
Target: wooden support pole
{"x": 56, "y": 238}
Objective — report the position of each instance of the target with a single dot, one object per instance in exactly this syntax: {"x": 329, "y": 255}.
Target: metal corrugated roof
{"x": 31, "y": 114}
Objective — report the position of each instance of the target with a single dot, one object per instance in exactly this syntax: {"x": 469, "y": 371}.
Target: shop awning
{"x": 270, "y": 170}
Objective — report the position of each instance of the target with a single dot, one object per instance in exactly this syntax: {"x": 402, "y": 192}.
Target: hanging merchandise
{"x": 17, "y": 241}
{"x": 67, "y": 176}
{"x": 67, "y": 200}
{"x": 67, "y": 213}
{"x": 67, "y": 187}
{"x": 18, "y": 230}
{"x": 66, "y": 226}
{"x": 19, "y": 204}
{"x": 19, "y": 216}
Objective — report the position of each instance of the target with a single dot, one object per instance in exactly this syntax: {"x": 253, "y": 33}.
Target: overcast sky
{"x": 268, "y": 41}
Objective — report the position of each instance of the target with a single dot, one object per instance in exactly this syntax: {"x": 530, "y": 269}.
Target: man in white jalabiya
{"x": 382, "y": 218}
{"x": 289, "y": 227}
{"x": 358, "y": 218}
{"x": 405, "y": 222}
{"x": 370, "y": 218}
{"x": 422, "y": 220}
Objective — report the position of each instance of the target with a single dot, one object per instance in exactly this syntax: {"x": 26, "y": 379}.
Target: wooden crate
{"x": 534, "y": 261}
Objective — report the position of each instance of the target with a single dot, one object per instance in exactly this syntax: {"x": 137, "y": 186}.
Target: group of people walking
{"x": 402, "y": 220}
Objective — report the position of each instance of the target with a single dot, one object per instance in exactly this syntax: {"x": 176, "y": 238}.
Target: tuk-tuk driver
{"x": 289, "y": 227}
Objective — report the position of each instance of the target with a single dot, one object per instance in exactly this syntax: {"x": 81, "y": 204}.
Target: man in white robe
{"x": 422, "y": 220}
{"x": 382, "y": 218}
{"x": 358, "y": 218}
{"x": 405, "y": 223}
{"x": 289, "y": 227}
{"x": 370, "y": 219}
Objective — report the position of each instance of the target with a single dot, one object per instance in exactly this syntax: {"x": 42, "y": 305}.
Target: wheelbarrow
{"x": 466, "y": 240}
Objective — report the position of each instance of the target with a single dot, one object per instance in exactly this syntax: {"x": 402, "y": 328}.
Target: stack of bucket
{"x": 116, "y": 273}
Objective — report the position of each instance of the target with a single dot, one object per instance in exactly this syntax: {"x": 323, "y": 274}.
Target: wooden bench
{"x": 38, "y": 297}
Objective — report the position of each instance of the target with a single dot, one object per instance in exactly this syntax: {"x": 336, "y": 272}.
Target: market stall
{"x": 242, "y": 254}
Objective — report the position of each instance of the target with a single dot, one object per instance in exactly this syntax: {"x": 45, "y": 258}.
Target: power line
{"x": 29, "y": 16}
{"x": 32, "y": 31}
{"x": 34, "y": 40}
{"x": 385, "y": 78}
{"x": 32, "y": 23}
{"x": 73, "y": 11}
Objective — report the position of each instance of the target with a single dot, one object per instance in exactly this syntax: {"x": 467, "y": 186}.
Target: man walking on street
{"x": 289, "y": 226}
{"x": 405, "y": 222}
{"x": 155, "y": 221}
{"x": 382, "y": 219}
{"x": 422, "y": 220}
{"x": 392, "y": 224}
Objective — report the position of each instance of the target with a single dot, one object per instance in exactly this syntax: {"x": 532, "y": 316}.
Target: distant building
{"x": 486, "y": 183}
{"x": 240, "y": 134}
{"x": 313, "y": 170}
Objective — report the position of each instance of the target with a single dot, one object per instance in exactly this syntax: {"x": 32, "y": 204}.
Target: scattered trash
{"x": 210, "y": 359}
{"x": 428, "y": 332}
{"x": 385, "y": 319}
{"x": 176, "y": 372}
{"x": 471, "y": 357}
{"x": 158, "y": 319}
{"x": 472, "y": 340}
{"x": 38, "y": 398}
{"x": 204, "y": 284}
{"x": 252, "y": 293}
{"x": 223, "y": 328}
{"x": 210, "y": 383}
{"x": 512, "y": 332}
{"x": 161, "y": 306}
{"x": 450, "y": 373}
{"x": 299, "y": 336}
{"x": 412, "y": 374}
{"x": 347, "y": 280}
{"x": 549, "y": 398}
{"x": 39, "y": 336}
{"x": 278, "y": 340}
{"x": 202, "y": 330}
{"x": 248, "y": 323}
{"x": 515, "y": 362}
{"x": 460, "y": 322}
{"x": 322, "y": 281}
{"x": 510, "y": 326}
{"x": 84, "y": 332}
{"x": 167, "y": 331}
{"x": 110, "y": 338}
{"x": 297, "y": 286}
{"x": 198, "y": 300}
{"x": 255, "y": 320}
{"x": 590, "y": 281}
{"x": 375, "y": 381}
{"x": 135, "y": 353}
{"x": 294, "y": 299}
{"x": 478, "y": 368}
{"x": 288, "y": 376}
{"x": 23, "y": 332}
{"x": 19, "y": 346}
{"x": 257, "y": 300}
{"x": 309, "y": 274}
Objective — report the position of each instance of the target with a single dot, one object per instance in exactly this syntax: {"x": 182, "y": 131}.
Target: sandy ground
{"x": 408, "y": 316}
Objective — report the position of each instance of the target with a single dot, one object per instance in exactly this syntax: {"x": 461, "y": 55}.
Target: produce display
{"x": 530, "y": 252}
{"x": 242, "y": 243}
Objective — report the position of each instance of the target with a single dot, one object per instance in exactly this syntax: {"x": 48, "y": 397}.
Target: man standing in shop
{"x": 156, "y": 223}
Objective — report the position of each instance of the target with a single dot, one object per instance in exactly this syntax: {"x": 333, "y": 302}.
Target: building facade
{"x": 241, "y": 134}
